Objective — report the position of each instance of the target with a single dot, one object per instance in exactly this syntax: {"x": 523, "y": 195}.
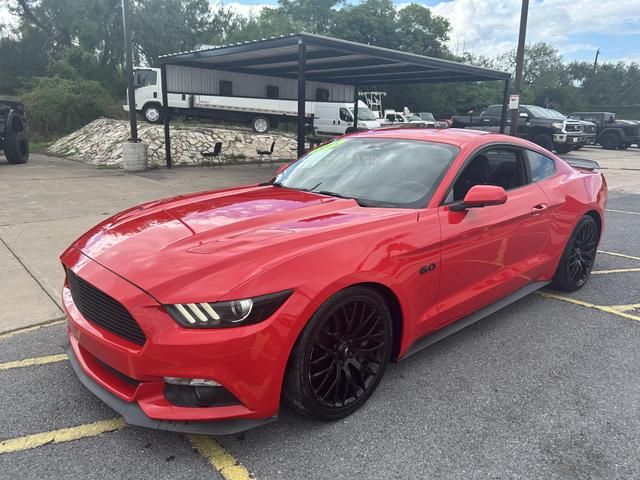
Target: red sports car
{"x": 201, "y": 312}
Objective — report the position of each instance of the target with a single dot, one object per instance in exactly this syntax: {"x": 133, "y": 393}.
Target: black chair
{"x": 266, "y": 153}
{"x": 208, "y": 157}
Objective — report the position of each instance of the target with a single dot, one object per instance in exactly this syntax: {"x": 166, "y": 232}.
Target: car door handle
{"x": 539, "y": 208}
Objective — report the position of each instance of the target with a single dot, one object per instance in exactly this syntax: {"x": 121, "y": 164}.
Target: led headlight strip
{"x": 227, "y": 314}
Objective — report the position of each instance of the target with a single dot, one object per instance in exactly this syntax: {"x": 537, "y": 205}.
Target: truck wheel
{"x": 610, "y": 141}
{"x": 563, "y": 148}
{"x": 625, "y": 146}
{"x": 16, "y": 147}
{"x": 152, "y": 113}
{"x": 260, "y": 124}
{"x": 544, "y": 140}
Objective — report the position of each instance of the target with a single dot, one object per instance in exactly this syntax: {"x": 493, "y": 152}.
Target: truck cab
{"x": 611, "y": 134}
{"x": 148, "y": 93}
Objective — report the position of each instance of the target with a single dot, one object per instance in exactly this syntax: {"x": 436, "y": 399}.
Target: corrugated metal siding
{"x": 201, "y": 81}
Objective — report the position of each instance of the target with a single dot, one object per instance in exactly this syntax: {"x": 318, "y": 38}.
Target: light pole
{"x": 126, "y": 25}
{"x": 517, "y": 88}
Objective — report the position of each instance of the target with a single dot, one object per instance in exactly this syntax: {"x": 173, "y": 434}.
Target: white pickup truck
{"x": 329, "y": 118}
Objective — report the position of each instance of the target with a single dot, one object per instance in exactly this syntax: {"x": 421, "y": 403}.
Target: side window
{"x": 540, "y": 165}
{"x": 145, "y": 78}
{"x": 273, "y": 91}
{"x": 391, "y": 117}
{"x": 497, "y": 166}
{"x": 226, "y": 88}
{"x": 345, "y": 115}
{"x": 493, "y": 111}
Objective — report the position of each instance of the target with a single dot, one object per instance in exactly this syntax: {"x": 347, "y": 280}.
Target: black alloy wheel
{"x": 341, "y": 355}
{"x": 579, "y": 256}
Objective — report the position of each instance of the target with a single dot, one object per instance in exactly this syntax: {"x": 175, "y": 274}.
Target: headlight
{"x": 558, "y": 125}
{"x": 227, "y": 314}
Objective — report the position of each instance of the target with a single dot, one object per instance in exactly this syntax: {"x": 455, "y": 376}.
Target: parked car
{"x": 545, "y": 127}
{"x": 201, "y": 312}
{"x": 396, "y": 119}
{"x": 337, "y": 118}
{"x": 589, "y": 134}
{"x": 14, "y": 140}
{"x": 611, "y": 133}
{"x": 431, "y": 120}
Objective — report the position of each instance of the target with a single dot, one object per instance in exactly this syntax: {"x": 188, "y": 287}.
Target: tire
{"x": 578, "y": 147}
{"x": 544, "y": 140}
{"x": 260, "y": 124}
{"x": 578, "y": 257}
{"x": 610, "y": 141}
{"x": 152, "y": 113}
{"x": 625, "y": 146}
{"x": 563, "y": 148}
{"x": 350, "y": 130}
{"x": 351, "y": 334}
{"x": 16, "y": 148}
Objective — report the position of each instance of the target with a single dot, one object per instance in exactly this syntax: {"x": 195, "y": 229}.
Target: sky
{"x": 490, "y": 27}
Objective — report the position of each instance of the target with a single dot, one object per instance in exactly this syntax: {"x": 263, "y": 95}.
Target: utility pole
{"x": 126, "y": 24}
{"x": 517, "y": 90}
{"x": 595, "y": 62}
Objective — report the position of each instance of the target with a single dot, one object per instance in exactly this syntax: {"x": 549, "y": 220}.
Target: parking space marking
{"x": 602, "y": 308}
{"x": 62, "y": 435}
{"x": 31, "y": 329}
{"x": 219, "y": 458}
{"x": 615, "y": 270}
{"x": 622, "y": 211}
{"x": 615, "y": 254}
{"x": 30, "y": 362}
{"x": 626, "y": 308}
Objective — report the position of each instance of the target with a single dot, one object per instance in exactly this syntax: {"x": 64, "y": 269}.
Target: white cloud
{"x": 490, "y": 27}
{"x": 244, "y": 9}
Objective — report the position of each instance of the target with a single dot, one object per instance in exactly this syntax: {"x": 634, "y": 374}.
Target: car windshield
{"x": 413, "y": 118}
{"x": 427, "y": 116}
{"x": 364, "y": 114}
{"x": 544, "y": 112}
{"x": 376, "y": 172}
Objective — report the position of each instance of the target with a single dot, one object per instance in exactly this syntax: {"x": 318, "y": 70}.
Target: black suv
{"x": 611, "y": 134}
{"x": 547, "y": 128}
{"x": 13, "y": 131}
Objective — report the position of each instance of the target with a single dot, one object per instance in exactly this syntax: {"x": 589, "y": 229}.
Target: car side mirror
{"x": 481, "y": 196}
{"x": 282, "y": 168}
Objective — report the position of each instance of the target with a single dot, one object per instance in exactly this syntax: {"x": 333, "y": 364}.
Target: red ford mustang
{"x": 201, "y": 312}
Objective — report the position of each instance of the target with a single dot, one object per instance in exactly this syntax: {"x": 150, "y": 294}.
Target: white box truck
{"x": 328, "y": 118}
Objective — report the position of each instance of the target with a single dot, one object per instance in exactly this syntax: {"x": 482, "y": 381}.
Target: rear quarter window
{"x": 540, "y": 166}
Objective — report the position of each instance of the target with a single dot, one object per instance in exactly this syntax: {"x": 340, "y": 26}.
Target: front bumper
{"x": 567, "y": 138}
{"x": 249, "y": 361}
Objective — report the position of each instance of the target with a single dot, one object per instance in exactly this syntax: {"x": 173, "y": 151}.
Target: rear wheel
{"x": 578, "y": 257}
{"x": 610, "y": 141}
{"x": 16, "y": 147}
{"x": 340, "y": 356}
{"x": 544, "y": 140}
{"x": 260, "y": 124}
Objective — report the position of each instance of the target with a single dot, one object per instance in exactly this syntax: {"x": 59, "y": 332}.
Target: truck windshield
{"x": 364, "y": 113}
{"x": 544, "y": 112}
{"x": 375, "y": 172}
{"x": 145, "y": 78}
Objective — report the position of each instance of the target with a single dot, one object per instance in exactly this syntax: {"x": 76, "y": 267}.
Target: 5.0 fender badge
{"x": 427, "y": 268}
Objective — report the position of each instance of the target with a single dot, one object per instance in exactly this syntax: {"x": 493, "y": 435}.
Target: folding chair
{"x": 208, "y": 157}
{"x": 266, "y": 153}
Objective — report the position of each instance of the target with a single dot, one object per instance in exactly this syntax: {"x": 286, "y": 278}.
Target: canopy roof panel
{"x": 331, "y": 60}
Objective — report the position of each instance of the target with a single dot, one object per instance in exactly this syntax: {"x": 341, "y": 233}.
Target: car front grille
{"x": 99, "y": 308}
{"x": 572, "y": 127}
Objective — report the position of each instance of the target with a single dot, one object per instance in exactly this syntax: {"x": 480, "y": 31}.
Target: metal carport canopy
{"x": 309, "y": 57}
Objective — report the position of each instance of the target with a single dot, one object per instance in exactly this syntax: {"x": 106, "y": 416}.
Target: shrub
{"x": 56, "y": 106}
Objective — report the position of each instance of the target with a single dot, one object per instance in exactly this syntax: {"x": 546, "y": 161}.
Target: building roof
{"x": 331, "y": 60}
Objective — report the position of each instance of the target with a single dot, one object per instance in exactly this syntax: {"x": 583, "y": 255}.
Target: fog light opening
{"x": 197, "y": 392}
{"x": 192, "y": 382}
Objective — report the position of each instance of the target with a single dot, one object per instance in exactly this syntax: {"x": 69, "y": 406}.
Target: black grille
{"x": 99, "y": 308}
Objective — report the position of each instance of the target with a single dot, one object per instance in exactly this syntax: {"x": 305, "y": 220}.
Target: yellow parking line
{"x": 219, "y": 458}
{"x": 62, "y": 435}
{"x": 622, "y": 211}
{"x": 31, "y": 329}
{"x": 602, "y": 308}
{"x": 631, "y": 257}
{"x": 626, "y": 308}
{"x": 615, "y": 270}
{"x": 30, "y": 362}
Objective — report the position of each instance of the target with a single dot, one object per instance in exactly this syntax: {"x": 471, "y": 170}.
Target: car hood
{"x": 234, "y": 234}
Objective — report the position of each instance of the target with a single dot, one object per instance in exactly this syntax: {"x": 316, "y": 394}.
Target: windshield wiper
{"x": 362, "y": 203}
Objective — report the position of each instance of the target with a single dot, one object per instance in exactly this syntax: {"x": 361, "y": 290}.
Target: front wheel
{"x": 340, "y": 356}
{"x": 544, "y": 140}
{"x": 260, "y": 124}
{"x": 563, "y": 148}
{"x": 152, "y": 113}
{"x": 610, "y": 141}
{"x": 578, "y": 257}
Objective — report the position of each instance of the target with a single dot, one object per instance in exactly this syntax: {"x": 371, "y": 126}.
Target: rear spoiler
{"x": 580, "y": 163}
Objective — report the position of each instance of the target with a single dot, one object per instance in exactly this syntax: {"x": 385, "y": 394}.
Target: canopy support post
{"x": 355, "y": 107}
{"x": 165, "y": 114}
{"x": 302, "y": 94}
{"x": 505, "y": 105}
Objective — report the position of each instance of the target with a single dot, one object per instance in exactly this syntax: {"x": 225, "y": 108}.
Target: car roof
{"x": 452, "y": 136}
